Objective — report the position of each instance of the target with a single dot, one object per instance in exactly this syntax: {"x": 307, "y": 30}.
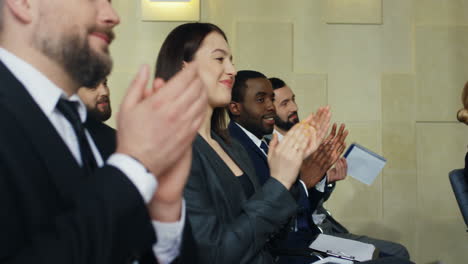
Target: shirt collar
{"x": 278, "y": 134}
{"x": 44, "y": 92}
{"x": 255, "y": 139}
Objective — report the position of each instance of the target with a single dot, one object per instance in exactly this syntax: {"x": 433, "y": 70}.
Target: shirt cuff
{"x": 321, "y": 185}
{"x": 169, "y": 235}
{"x": 144, "y": 181}
{"x": 305, "y": 187}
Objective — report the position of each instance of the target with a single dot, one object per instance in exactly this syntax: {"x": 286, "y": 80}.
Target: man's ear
{"x": 235, "y": 108}
{"x": 20, "y": 9}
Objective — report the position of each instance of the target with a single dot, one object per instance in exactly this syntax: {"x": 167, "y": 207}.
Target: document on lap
{"x": 363, "y": 164}
{"x": 343, "y": 248}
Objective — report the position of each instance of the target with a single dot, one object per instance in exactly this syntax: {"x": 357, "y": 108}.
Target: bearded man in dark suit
{"x": 62, "y": 199}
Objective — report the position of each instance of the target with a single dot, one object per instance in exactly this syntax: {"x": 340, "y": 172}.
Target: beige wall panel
{"x": 118, "y": 84}
{"x": 437, "y": 12}
{"x": 310, "y": 38}
{"x": 311, "y": 92}
{"x": 353, "y": 200}
{"x": 260, "y": 9}
{"x": 354, "y": 11}
{"x": 397, "y": 36}
{"x": 440, "y": 148}
{"x": 441, "y": 59}
{"x": 399, "y": 147}
{"x": 400, "y": 175}
{"x": 354, "y": 72}
{"x": 442, "y": 239}
{"x": 259, "y": 47}
{"x": 398, "y": 98}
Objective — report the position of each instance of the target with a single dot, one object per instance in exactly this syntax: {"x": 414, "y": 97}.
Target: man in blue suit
{"x": 252, "y": 114}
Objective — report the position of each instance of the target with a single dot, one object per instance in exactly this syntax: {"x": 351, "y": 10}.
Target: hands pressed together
{"x": 316, "y": 165}
{"x": 285, "y": 158}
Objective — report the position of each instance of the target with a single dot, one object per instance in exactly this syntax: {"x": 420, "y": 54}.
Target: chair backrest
{"x": 460, "y": 188}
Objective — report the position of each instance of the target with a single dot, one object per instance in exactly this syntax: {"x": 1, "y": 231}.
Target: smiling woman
{"x": 231, "y": 215}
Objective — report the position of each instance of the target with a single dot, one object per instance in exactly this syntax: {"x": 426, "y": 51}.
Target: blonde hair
{"x": 462, "y": 114}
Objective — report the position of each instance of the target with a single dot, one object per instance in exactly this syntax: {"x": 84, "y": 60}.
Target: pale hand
{"x": 157, "y": 127}
{"x": 285, "y": 158}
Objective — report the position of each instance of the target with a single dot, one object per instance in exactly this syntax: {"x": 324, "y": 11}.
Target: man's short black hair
{"x": 277, "y": 83}
{"x": 240, "y": 83}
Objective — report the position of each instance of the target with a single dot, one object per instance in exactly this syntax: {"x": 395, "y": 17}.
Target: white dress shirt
{"x": 46, "y": 94}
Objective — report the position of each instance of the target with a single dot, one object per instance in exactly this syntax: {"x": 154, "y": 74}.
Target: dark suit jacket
{"x": 103, "y": 135}
{"x": 257, "y": 157}
{"x": 51, "y": 212}
{"x": 228, "y": 227}
{"x": 105, "y": 139}
{"x": 262, "y": 168}
{"x": 293, "y": 240}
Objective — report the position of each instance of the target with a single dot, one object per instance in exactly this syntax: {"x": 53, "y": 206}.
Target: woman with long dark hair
{"x": 231, "y": 215}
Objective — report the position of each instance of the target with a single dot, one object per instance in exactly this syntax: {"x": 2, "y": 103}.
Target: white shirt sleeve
{"x": 321, "y": 185}
{"x": 144, "y": 181}
{"x": 169, "y": 237}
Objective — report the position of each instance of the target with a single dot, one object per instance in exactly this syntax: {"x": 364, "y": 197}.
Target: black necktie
{"x": 264, "y": 146}
{"x": 69, "y": 110}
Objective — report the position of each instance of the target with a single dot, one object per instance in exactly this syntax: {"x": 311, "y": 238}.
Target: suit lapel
{"x": 220, "y": 173}
{"x": 257, "y": 156}
{"x": 237, "y": 132}
{"x": 103, "y": 136}
{"x": 47, "y": 143}
{"x": 238, "y": 160}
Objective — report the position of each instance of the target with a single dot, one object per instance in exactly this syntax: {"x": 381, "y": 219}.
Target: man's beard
{"x": 101, "y": 115}
{"x": 286, "y": 125}
{"x": 85, "y": 66}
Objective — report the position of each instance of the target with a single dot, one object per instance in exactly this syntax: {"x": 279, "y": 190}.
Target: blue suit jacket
{"x": 259, "y": 160}
{"x": 295, "y": 239}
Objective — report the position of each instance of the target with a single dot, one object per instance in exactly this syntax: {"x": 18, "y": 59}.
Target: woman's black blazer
{"x": 228, "y": 227}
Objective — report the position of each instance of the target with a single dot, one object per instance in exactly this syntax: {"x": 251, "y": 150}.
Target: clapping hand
{"x": 285, "y": 157}
{"x": 317, "y": 124}
{"x": 339, "y": 172}
{"x": 316, "y": 165}
{"x": 157, "y": 127}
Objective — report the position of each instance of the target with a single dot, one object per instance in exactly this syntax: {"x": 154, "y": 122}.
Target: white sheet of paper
{"x": 363, "y": 164}
{"x": 346, "y": 248}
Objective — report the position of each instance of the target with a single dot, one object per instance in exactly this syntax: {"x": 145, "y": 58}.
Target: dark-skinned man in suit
{"x": 252, "y": 112}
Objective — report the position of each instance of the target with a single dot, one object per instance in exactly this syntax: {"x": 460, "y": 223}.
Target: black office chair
{"x": 459, "y": 183}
